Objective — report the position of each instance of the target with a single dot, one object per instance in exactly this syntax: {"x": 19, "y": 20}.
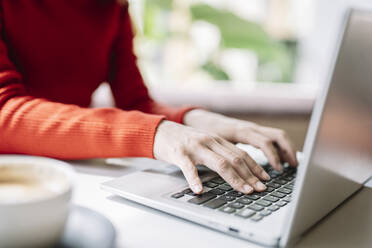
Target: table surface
{"x": 350, "y": 225}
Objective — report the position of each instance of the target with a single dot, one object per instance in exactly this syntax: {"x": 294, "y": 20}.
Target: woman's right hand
{"x": 187, "y": 147}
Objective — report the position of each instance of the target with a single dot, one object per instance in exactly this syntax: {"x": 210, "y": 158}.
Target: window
{"x": 210, "y": 46}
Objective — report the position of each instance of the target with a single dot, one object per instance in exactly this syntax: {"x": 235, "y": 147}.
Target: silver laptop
{"x": 337, "y": 161}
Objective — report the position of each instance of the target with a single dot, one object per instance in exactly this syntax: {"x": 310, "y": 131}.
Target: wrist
{"x": 193, "y": 117}
{"x": 166, "y": 129}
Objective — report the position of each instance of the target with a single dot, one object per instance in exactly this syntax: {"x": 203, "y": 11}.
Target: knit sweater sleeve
{"x": 126, "y": 77}
{"x": 37, "y": 126}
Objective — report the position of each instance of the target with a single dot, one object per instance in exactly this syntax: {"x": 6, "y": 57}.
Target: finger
{"x": 286, "y": 148}
{"x": 284, "y": 157}
{"x": 285, "y": 145}
{"x": 256, "y": 169}
{"x": 266, "y": 145}
{"x": 239, "y": 163}
{"x": 223, "y": 167}
{"x": 191, "y": 174}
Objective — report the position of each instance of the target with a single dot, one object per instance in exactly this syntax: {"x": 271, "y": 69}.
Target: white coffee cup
{"x": 35, "y": 194}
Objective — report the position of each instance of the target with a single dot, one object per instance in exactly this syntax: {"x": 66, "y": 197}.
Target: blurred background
{"x": 204, "y": 41}
{"x": 260, "y": 60}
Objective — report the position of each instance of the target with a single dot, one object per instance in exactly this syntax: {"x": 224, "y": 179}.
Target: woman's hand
{"x": 187, "y": 147}
{"x": 273, "y": 142}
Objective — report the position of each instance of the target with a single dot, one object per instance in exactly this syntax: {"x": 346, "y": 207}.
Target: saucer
{"x": 87, "y": 228}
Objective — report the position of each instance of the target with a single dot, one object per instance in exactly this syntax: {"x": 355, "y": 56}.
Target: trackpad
{"x": 174, "y": 171}
{"x": 152, "y": 181}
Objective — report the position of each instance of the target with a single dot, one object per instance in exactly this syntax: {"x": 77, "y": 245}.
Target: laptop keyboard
{"x": 220, "y": 196}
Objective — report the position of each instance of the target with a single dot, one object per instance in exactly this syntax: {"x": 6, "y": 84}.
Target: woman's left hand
{"x": 273, "y": 142}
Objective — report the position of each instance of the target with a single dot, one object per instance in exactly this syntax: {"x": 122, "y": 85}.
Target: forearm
{"x": 40, "y": 127}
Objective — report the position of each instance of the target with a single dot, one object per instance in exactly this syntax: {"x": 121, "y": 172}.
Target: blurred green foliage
{"x": 215, "y": 71}
{"x": 236, "y": 32}
{"x": 153, "y": 18}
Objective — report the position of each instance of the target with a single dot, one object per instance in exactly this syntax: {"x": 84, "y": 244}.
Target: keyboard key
{"x": 252, "y": 197}
{"x": 228, "y": 210}
{"x": 227, "y": 198}
{"x": 225, "y": 187}
{"x": 245, "y": 213}
{"x": 288, "y": 186}
{"x": 256, "y": 217}
{"x": 215, "y": 203}
{"x": 236, "y": 205}
{"x": 260, "y": 194}
{"x": 281, "y": 203}
{"x": 289, "y": 178}
{"x": 274, "y": 174}
{"x": 217, "y": 191}
{"x": 200, "y": 199}
{"x": 269, "y": 189}
{"x": 263, "y": 202}
{"x": 210, "y": 184}
{"x": 218, "y": 180}
{"x": 177, "y": 195}
{"x": 265, "y": 212}
{"x": 279, "y": 181}
{"x": 255, "y": 207}
{"x": 273, "y": 208}
{"x": 285, "y": 191}
{"x": 286, "y": 175}
{"x": 273, "y": 185}
{"x": 284, "y": 178}
{"x": 287, "y": 198}
{"x": 235, "y": 193}
{"x": 186, "y": 191}
{"x": 278, "y": 194}
{"x": 271, "y": 198}
{"x": 244, "y": 201}
{"x": 267, "y": 181}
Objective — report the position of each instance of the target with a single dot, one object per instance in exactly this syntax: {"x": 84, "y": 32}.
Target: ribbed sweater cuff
{"x": 137, "y": 136}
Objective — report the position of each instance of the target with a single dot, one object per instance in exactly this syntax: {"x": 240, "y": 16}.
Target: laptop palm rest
{"x": 151, "y": 182}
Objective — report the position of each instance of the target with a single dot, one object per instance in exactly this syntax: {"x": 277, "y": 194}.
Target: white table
{"x": 140, "y": 226}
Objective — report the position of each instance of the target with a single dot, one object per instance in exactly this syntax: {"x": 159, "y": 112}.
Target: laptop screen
{"x": 338, "y": 146}
{"x": 344, "y": 140}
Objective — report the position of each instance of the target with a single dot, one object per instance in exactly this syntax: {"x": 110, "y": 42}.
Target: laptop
{"x": 337, "y": 161}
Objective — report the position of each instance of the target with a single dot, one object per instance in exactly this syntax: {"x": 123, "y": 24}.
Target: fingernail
{"x": 260, "y": 186}
{"x": 197, "y": 189}
{"x": 248, "y": 189}
{"x": 265, "y": 176}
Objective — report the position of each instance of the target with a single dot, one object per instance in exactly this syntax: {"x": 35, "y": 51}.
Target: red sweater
{"x": 53, "y": 55}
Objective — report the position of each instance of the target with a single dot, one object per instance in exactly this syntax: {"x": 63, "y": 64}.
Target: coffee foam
{"x": 28, "y": 182}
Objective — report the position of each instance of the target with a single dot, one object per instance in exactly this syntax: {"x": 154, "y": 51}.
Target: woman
{"x": 54, "y": 54}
